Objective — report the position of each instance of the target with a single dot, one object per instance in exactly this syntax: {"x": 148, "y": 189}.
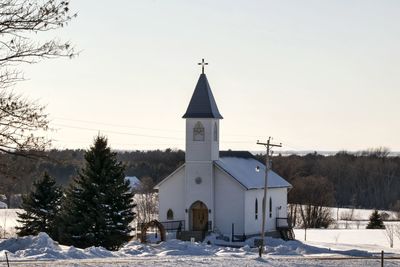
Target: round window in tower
{"x": 198, "y": 180}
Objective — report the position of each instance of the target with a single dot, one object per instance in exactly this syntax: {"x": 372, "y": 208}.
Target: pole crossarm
{"x": 269, "y": 144}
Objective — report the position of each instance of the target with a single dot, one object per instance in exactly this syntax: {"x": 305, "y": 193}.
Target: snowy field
{"x": 358, "y": 214}
{"x": 372, "y": 240}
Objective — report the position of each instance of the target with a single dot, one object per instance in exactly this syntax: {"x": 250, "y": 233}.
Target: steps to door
{"x": 186, "y": 235}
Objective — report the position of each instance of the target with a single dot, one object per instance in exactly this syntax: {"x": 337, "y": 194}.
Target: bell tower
{"x": 202, "y": 123}
{"x": 202, "y": 149}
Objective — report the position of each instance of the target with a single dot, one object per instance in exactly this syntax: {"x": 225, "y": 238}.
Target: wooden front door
{"x": 199, "y": 216}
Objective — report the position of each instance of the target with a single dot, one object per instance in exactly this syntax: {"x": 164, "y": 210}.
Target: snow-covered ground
{"x": 41, "y": 250}
{"x": 184, "y": 261}
{"x": 372, "y": 240}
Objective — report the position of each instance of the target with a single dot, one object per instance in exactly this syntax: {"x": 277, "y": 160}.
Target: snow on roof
{"x": 134, "y": 182}
{"x": 244, "y": 171}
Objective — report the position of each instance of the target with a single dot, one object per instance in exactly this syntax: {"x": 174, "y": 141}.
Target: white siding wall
{"x": 206, "y": 150}
{"x": 171, "y": 196}
{"x": 279, "y": 199}
{"x": 203, "y": 191}
{"x": 229, "y": 203}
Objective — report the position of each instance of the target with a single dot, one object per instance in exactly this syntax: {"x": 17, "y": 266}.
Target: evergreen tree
{"x": 375, "y": 221}
{"x": 41, "y": 207}
{"x": 99, "y": 204}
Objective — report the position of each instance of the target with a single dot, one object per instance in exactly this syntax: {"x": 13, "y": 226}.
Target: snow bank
{"x": 43, "y": 247}
{"x": 280, "y": 247}
{"x": 38, "y": 247}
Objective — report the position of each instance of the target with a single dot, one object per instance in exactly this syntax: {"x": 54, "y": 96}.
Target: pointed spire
{"x": 202, "y": 104}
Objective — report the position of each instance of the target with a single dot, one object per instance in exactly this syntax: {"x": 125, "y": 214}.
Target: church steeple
{"x": 202, "y": 123}
{"x": 202, "y": 104}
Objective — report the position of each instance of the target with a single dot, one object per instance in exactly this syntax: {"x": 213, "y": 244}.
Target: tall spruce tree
{"x": 375, "y": 221}
{"x": 99, "y": 204}
{"x": 41, "y": 207}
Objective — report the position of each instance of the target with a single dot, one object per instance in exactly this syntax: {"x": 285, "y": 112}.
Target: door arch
{"x": 198, "y": 216}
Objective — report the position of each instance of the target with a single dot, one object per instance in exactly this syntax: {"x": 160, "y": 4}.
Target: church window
{"x": 256, "y": 209}
{"x": 170, "y": 215}
{"x": 198, "y": 132}
{"x": 215, "y": 132}
{"x": 270, "y": 207}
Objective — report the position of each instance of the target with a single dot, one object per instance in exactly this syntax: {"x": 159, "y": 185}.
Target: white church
{"x": 219, "y": 191}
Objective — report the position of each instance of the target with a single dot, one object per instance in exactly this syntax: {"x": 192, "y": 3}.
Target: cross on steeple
{"x": 202, "y": 63}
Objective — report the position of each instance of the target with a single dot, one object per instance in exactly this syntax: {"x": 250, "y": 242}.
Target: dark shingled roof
{"x": 202, "y": 104}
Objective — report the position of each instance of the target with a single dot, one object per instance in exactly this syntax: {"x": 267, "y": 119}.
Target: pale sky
{"x": 315, "y": 75}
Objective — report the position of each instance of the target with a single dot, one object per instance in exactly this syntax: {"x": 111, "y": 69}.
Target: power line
{"x": 138, "y": 127}
{"x": 114, "y": 132}
{"x": 117, "y": 125}
{"x": 119, "y": 144}
{"x": 141, "y": 135}
{"x": 287, "y": 142}
{"x": 295, "y": 147}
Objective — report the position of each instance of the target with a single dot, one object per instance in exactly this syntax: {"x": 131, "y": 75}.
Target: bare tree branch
{"x": 23, "y": 123}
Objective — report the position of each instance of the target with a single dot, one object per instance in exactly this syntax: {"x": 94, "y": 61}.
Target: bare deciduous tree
{"x": 146, "y": 201}
{"x": 314, "y": 195}
{"x": 347, "y": 216}
{"x": 357, "y": 220}
{"x": 292, "y": 214}
{"x": 19, "y": 120}
{"x": 390, "y": 231}
{"x": 397, "y": 231}
{"x": 396, "y": 208}
{"x": 22, "y": 121}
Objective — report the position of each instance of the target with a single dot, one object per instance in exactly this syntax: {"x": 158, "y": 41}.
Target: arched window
{"x": 170, "y": 215}
{"x": 270, "y": 207}
{"x": 215, "y": 132}
{"x": 198, "y": 132}
{"x": 256, "y": 209}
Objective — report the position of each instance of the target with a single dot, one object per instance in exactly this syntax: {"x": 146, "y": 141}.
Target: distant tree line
{"x": 367, "y": 179}
{"x": 64, "y": 165}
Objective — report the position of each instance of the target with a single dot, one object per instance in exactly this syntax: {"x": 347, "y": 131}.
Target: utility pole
{"x": 268, "y": 146}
